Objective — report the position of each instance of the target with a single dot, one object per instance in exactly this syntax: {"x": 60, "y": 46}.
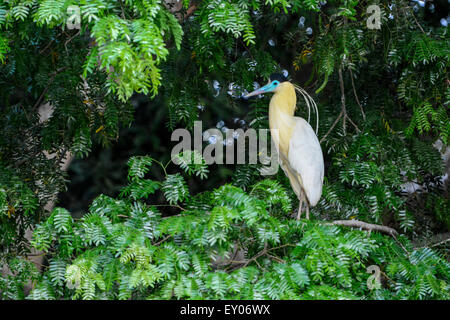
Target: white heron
{"x": 300, "y": 154}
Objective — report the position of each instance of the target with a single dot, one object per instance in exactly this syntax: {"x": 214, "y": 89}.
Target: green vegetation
{"x": 123, "y": 248}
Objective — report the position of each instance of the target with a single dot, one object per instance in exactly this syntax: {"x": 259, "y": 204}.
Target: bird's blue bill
{"x": 267, "y": 88}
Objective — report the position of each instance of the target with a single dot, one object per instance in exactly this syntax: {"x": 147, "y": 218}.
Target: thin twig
{"x": 356, "y": 127}
{"x": 417, "y": 22}
{"x": 52, "y": 77}
{"x": 161, "y": 241}
{"x": 276, "y": 258}
{"x": 387, "y": 277}
{"x": 259, "y": 254}
{"x": 256, "y": 261}
{"x": 356, "y": 96}
{"x": 343, "y": 113}
{"x": 123, "y": 12}
{"x": 169, "y": 205}
{"x": 401, "y": 245}
{"x": 246, "y": 48}
{"x": 436, "y": 240}
{"x": 341, "y": 83}
{"x": 38, "y": 254}
{"x": 46, "y": 47}
{"x": 439, "y": 243}
{"x": 282, "y": 246}
{"x": 70, "y": 39}
{"x": 332, "y": 126}
{"x": 264, "y": 252}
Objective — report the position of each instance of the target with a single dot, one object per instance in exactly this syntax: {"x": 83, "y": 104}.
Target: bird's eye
{"x": 275, "y": 83}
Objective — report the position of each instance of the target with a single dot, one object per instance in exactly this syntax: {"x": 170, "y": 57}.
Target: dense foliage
{"x": 123, "y": 248}
{"x": 383, "y": 102}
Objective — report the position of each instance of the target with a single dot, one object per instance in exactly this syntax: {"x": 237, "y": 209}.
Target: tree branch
{"x": 52, "y": 77}
{"x": 436, "y": 240}
{"x": 332, "y": 127}
{"x": 343, "y": 113}
{"x": 344, "y": 110}
{"x": 264, "y": 251}
{"x": 365, "y": 226}
{"x": 356, "y": 96}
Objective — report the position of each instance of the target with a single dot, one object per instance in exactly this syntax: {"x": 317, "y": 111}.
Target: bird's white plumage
{"x": 305, "y": 157}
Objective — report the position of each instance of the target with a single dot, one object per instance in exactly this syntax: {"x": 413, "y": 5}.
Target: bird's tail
{"x": 309, "y": 103}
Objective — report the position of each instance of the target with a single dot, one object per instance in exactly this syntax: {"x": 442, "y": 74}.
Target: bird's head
{"x": 275, "y": 83}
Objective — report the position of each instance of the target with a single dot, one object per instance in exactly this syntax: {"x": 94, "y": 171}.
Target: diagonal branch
{"x": 343, "y": 113}
{"x": 332, "y": 126}
{"x": 52, "y": 77}
{"x": 356, "y": 96}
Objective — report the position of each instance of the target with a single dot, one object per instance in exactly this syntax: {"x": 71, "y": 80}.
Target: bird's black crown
{"x": 278, "y": 76}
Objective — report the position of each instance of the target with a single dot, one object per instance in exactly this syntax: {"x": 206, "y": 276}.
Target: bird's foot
{"x": 298, "y": 216}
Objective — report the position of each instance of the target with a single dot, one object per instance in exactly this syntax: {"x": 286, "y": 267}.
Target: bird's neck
{"x": 282, "y": 106}
{"x": 281, "y": 117}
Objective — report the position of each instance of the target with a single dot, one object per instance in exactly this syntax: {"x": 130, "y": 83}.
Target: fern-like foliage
{"x": 244, "y": 246}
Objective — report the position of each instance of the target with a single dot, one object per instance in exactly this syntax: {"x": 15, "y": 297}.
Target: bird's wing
{"x": 306, "y": 158}
{"x": 293, "y": 176}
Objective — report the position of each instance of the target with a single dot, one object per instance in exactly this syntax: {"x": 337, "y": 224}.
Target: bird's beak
{"x": 259, "y": 91}
{"x": 254, "y": 93}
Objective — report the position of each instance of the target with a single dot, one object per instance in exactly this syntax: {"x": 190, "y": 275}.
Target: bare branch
{"x": 364, "y": 225}
{"x": 344, "y": 110}
{"x": 52, "y": 77}
{"x": 356, "y": 96}
{"x": 332, "y": 126}
{"x": 343, "y": 113}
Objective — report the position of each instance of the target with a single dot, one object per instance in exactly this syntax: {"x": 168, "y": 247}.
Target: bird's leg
{"x": 307, "y": 210}
{"x": 299, "y": 214}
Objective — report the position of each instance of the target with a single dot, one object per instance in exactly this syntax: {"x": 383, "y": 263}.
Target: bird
{"x": 300, "y": 154}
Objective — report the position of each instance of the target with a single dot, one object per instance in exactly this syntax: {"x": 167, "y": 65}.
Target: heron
{"x": 300, "y": 154}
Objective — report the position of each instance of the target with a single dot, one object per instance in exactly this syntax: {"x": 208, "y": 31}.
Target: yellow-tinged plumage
{"x": 281, "y": 112}
{"x": 300, "y": 155}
